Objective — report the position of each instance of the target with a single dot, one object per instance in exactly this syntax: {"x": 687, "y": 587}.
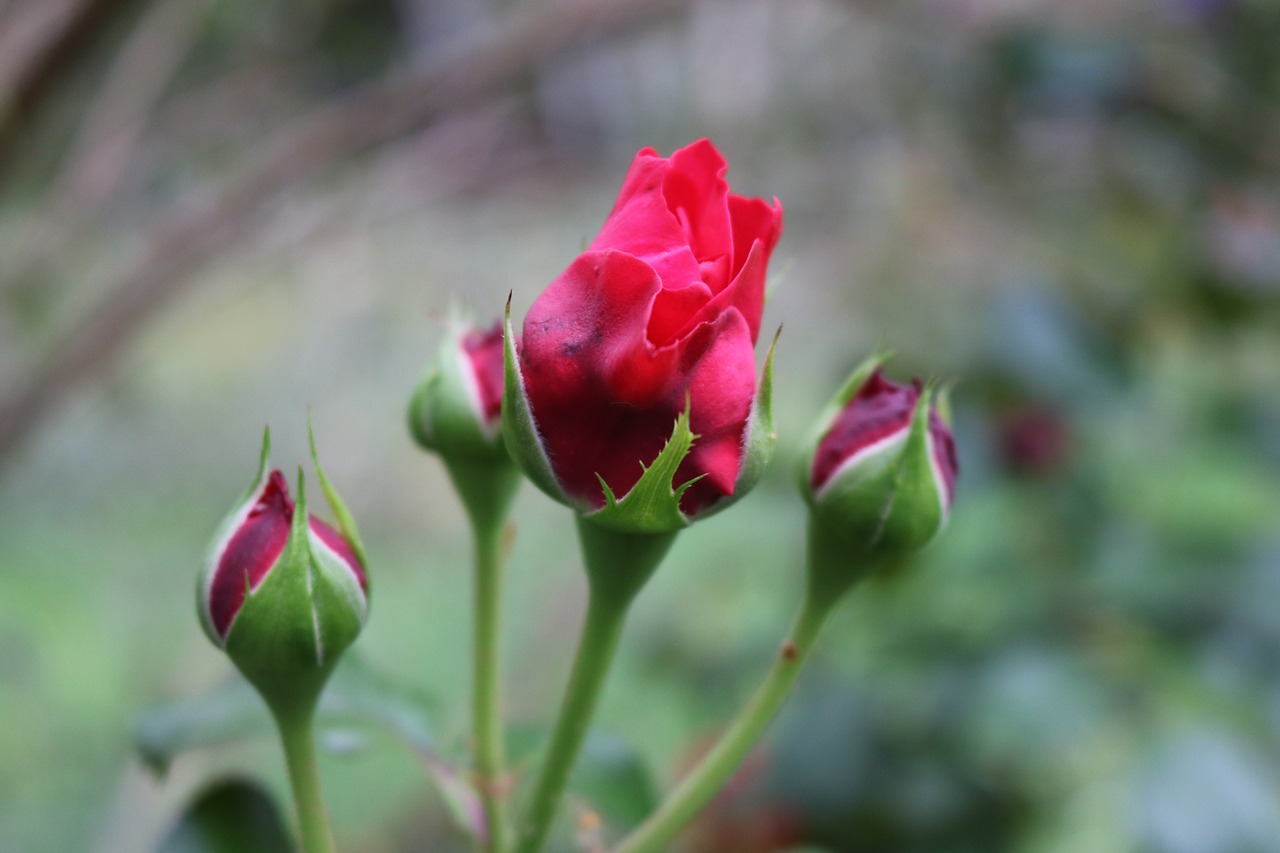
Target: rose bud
{"x": 456, "y": 412}
{"x": 457, "y": 405}
{"x": 282, "y": 592}
{"x": 881, "y": 473}
{"x": 632, "y": 396}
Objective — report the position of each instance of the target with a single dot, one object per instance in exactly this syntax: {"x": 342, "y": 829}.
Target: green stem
{"x": 718, "y": 765}
{"x": 486, "y": 696}
{"x": 304, "y": 777}
{"x": 486, "y": 488}
{"x": 618, "y": 564}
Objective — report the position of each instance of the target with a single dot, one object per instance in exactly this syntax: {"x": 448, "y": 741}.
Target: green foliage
{"x": 611, "y": 779}
{"x": 232, "y": 816}
{"x": 232, "y": 710}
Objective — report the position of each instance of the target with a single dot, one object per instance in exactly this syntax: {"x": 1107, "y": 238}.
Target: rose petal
{"x": 754, "y": 221}
{"x": 879, "y": 409}
{"x": 643, "y": 225}
{"x": 251, "y": 551}
{"x": 697, "y": 194}
{"x": 720, "y": 363}
{"x": 484, "y": 352}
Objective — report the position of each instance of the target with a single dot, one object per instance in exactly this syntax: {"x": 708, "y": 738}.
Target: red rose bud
{"x": 658, "y": 318}
{"x": 282, "y": 592}
{"x": 456, "y": 412}
{"x": 457, "y": 405}
{"x": 881, "y": 475}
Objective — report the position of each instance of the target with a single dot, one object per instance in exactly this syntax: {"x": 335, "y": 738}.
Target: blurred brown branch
{"x": 112, "y": 126}
{"x": 36, "y": 38}
{"x": 210, "y": 222}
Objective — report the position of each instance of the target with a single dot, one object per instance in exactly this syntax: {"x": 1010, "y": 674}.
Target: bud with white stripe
{"x": 880, "y": 473}
{"x": 282, "y": 592}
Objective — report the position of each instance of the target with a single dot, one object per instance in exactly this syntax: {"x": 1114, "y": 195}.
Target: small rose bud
{"x": 881, "y": 475}
{"x": 457, "y": 407}
{"x": 282, "y": 592}
{"x": 456, "y": 411}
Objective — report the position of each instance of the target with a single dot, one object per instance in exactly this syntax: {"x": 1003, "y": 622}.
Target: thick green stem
{"x": 304, "y": 776}
{"x": 618, "y": 564}
{"x": 715, "y": 768}
{"x": 486, "y": 701}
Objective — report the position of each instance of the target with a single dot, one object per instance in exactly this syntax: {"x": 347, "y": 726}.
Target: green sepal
{"x": 652, "y": 505}
{"x": 920, "y": 509}
{"x": 339, "y": 605}
{"x": 341, "y": 515}
{"x": 761, "y": 438}
{"x": 261, "y": 476}
{"x": 444, "y": 412}
{"x": 518, "y": 428}
{"x": 861, "y": 374}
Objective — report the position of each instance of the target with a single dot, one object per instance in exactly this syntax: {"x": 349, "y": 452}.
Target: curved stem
{"x": 719, "y": 764}
{"x": 486, "y": 696}
{"x": 618, "y": 564}
{"x": 304, "y": 777}
{"x": 596, "y": 647}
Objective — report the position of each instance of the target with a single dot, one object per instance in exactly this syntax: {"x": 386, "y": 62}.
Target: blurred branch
{"x": 108, "y": 135}
{"x": 35, "y": 39}
{"x": 470, "y": 69}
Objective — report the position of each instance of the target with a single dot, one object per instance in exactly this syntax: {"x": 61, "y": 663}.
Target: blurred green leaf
{"x": 229, "y": 711}
{"x": 610, "y": 778}
{"x": 231, "y": 816}
{"x": 614, "y": 781}
{"x": 233, "y": 710}
{"x": 355, "y": 694}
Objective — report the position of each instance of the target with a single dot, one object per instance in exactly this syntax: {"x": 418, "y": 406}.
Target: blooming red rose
{"x": 661, "y": 312}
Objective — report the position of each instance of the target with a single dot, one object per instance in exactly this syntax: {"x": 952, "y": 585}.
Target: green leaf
{"x": 231, "y": 816}
{"x": 652, "y": 505}
{"x": 228, "y": 712}
{"x": 611, "y": 779}
{"x": 233, "y": 710}
{"x": 355, "y": 694}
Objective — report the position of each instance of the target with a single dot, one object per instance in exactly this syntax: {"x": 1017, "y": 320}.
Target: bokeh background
{"x": 218, "y": 214}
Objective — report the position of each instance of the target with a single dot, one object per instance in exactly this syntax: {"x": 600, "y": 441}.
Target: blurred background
{"x": 215, "y": 214}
